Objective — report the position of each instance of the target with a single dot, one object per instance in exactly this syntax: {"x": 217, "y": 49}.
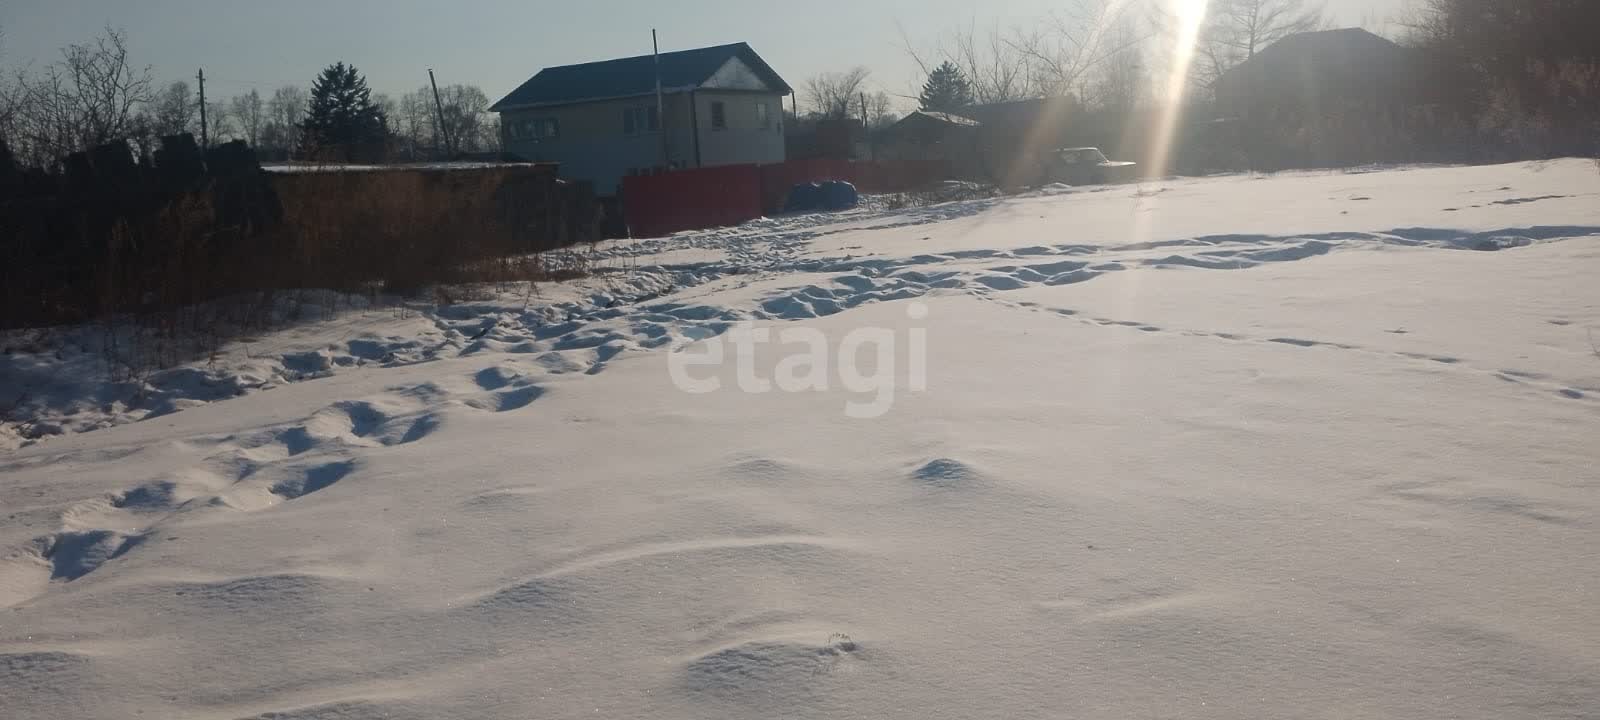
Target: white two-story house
{"x": 721, "y": 106}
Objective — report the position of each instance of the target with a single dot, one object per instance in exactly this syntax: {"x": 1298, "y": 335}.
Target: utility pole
{"x": 205, "y": 129}
{"x": 661, "y": 104}
{"x": 439, "y": 128}
{"x": 866, "y": 129}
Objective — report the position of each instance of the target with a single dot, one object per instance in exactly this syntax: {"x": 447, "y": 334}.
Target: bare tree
{"x": 221, "y": 125}
{"x": 1122, "y": 80}
{"x": 880, "y": 110}
{"x": 997, "y": 70}
{"x": 1066, "y": 46}
{"x": 280, "y": 131}
{"x": 86, "y": 98}
{"x": 1527, "y": 72}
{"x": 288, "y": 105}
{"x": 250, "y": 113}
{"x": 1050, "y": 55}
{"x": 465, "y": 113}
{"x": 414, "y": 122}
{"x": 1235, "y": 30}
{"x": 468, "y": 124}
{"x": 106, "y": 87}
{"x": 834, "y": 95}
{"x": 173, "y": 110}
{"x": 387, "y": 106}
{"x": 7, "y": 99}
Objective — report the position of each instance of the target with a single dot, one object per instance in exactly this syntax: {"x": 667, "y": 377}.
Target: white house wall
{"x": 744, "y": 140}
{"x": 592, "y": 146}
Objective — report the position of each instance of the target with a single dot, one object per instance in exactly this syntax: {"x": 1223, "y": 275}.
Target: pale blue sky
{"x": 497, "y": 44}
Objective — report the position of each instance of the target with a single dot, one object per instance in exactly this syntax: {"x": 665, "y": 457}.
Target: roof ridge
{"x": 633, "y": 76}
{"x": 644, "y": 56}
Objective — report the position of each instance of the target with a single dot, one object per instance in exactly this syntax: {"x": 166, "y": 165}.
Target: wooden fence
{"x": 110, "y": 235}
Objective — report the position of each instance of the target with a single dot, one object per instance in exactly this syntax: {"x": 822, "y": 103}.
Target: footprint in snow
{"x": 759, "y": 666}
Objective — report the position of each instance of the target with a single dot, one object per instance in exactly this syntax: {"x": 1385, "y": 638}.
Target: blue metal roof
{"x": 630, "y": 77}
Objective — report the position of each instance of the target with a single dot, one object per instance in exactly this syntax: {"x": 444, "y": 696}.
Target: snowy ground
{"x": 1235, "y": 447}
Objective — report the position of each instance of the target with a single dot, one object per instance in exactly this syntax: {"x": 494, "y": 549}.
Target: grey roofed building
{"x": 635, "y": 76}
{"x": 933, "y": 136}
{"x": 1315, "y": 73}
{"x": 948, "y": 118}
{"x": 721, "y": 105}
{"x": 923, "y": 132}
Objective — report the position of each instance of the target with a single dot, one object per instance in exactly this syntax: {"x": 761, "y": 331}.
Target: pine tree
{"x": 947, "y": 90}
{"x": 341, "y": 116}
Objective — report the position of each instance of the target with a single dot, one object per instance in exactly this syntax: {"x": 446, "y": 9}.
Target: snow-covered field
{"x": 1290, "y": 446}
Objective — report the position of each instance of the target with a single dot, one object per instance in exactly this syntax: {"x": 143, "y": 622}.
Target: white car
{"x": 1086, "y": 166}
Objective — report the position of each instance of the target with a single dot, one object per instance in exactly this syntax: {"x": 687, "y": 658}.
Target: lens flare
{"x": 1190, "y": 15}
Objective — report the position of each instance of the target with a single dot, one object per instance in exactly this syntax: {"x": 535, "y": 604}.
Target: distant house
{"x": 827, "y": 138}
{"x": 723, "y": 106}
{"x": 1313, "y": 74}
{"x": 934, "y": 136}
{"x": 1014, "y": 137}
{"x": 926, "y": 133}
{"x": 1045, "y": 122}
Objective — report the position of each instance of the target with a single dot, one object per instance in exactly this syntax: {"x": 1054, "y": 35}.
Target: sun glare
{"x": 1190, "y": 15}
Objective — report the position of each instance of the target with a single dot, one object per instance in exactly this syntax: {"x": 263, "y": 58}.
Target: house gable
{"x": 735, "y": 75}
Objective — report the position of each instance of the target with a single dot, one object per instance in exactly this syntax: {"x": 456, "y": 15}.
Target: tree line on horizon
{"x": 1525, "y": 71}
{"x": 1523, "y": 74}
{"x": 1102, "y": 53}
{"x": 95, "y": 93}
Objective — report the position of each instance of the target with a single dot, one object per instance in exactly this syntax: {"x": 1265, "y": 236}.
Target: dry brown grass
{"x": 173, "y": 283}
{"x": 414, "y": 228}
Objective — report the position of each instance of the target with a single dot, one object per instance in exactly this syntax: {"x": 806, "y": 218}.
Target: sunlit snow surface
{"x": 1315, "y": 445}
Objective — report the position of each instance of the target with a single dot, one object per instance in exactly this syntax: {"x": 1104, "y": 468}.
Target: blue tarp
{"x": 839, "y": 195}
{"x": 830, "y": 195}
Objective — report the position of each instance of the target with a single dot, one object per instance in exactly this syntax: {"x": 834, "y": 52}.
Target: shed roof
{"x": 945, "y": 117}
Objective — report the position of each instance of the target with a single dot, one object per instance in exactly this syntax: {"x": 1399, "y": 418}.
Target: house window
{"x": 719, "y": 116}
{"x": 640, "y": 119}
{"x": 763, "y": 119}
{"x": 536, "y": 129}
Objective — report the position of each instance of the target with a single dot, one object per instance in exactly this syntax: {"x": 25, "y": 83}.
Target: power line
{"x": 248, "y": 83}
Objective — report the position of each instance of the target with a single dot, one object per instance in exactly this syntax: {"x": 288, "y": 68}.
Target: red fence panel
{"x": 888, "y": 176}
{"x": 711, "y": 197}
{"x": 691, "y": 199}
